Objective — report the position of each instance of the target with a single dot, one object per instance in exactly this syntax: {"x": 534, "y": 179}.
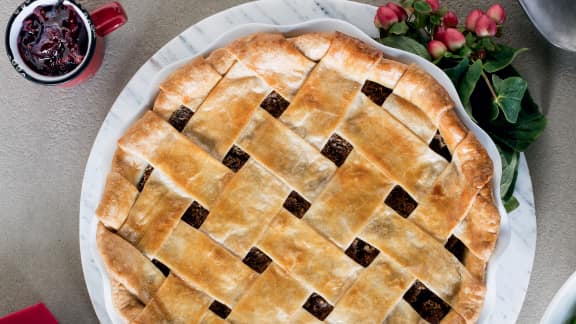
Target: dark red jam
{"x": 53, "y": 40}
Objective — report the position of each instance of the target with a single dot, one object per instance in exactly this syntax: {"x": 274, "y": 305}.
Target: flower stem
{"x": 489, "y": 84}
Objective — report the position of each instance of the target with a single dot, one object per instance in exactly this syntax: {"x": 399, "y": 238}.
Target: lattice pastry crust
{"x": 298, "y": 180}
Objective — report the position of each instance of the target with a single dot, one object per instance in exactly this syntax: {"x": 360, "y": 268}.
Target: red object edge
{"x": 108, "y": 18}
{"x": 36, "y": 314}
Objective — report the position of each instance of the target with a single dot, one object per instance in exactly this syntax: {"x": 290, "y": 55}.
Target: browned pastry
{"x": 298, "y": 180}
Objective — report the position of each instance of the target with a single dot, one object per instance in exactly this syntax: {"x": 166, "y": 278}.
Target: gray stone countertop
{"x": 46, "y": 135}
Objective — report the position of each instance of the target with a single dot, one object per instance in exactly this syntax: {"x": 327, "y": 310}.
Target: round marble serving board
{"x": 515, "y": 261}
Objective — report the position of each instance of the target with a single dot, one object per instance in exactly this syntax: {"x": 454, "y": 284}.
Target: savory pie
{"x": 298, "y": 180}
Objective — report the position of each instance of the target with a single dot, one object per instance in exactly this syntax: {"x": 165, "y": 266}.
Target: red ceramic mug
{"x": 96, "y": 25}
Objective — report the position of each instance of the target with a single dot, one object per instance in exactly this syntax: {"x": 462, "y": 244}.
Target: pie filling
{"x": 257, "y": 260}
{"x": 235, "y": 158}
{"x": 401, "y": 201}
{"x": 296, "y": 204}
{"x": 337, "y": 149}
{"x": 275, "y": 104}
{"x": 220, "y": 309}
{"x": 318, "y": 306}
{"x": 147, "y": 172}
{"x": 162, "y": 267}
{"x": 439, "y": 146}
{"x": 376, "y": 92}
{"x": 456, "y": 247}
{"x": 362, "y": 252}
{"x": 195, "y": 215}
{"x": 180, "y": 117}
{"x": 431, "y": 307}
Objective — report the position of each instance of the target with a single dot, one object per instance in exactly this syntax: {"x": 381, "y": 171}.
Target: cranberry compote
{"x": 53, "y": 40}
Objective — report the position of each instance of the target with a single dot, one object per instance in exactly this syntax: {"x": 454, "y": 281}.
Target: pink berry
{"x": 385, "y": 17}
{"x": 472, "y": 18}
{"x": 434, "y": 4}
{"x": 454, "y": 39}
{"x": 440, "y": 34}
{"x": 450, "y": 19}
{"x": 497, "y": 13}
{"x": 436, "y": 49}
{"x": 399, "y": 10}
{"x": 485, "y": 27}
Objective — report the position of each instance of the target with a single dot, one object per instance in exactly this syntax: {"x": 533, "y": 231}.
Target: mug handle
{"x": 108, "y": 18}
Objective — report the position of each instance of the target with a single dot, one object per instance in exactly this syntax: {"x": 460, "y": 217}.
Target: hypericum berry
{"x": 399, "y": 10}
{"x": 385, "y": 17}
{"x": 440, "y": 34}
{"x": 497, "y": 13}
{"x": 472, "y": 19}
{"x": 454, "y": 39}
{"x": 485, "y": 27}
{"x": 480, "y": 55}
{"x": 450, "y": 19}
{"x": 436, "y": 49}
{"x": 434, "y": 4}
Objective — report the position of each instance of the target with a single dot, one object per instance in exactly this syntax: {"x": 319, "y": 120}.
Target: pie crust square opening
{"x": 275, "y": 104}
{"x": 257, "y": 260}
{"x": 235, "y": 158}
{"x": 318, "y": 306}
{"x": 438, "y": 145}
{"x": 401, "y": 201}
{"x": 431, "y": 307}
{"x": 195, "y": 215}
{"x": 220, "y": 309}
{"x": 362, "y": 252}
{"x": 180, "y": 118}
{"x": 376, "y": 92}
{"x": 147, "y": 173}
{"x": 162, "y": 267}
{"x": 337, "y": 149}
{"x": 296, "y": 204}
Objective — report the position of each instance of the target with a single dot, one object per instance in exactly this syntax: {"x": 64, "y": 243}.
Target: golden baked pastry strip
{"x": 315, "y": 111}
{"x": 231, "y": 103}
{"x": 363, "y": 126}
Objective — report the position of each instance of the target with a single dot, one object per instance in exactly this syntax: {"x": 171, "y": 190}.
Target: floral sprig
{"x": 493, "y": 93}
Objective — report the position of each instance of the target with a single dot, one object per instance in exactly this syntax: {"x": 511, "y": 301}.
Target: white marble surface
{"x": 508, "y": 278}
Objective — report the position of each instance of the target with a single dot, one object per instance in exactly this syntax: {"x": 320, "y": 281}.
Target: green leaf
{"x": 501, "y": 58}
{"x": 494, "y": 111}
{"x": 510, "y": 160}
{"x": 510, "y": 93}
{"x": 455, "y": 73}
{"x": 488, "y": 44}
{"x": 436, "y": 20}
{"x": 468, "y": 82}
{"x": 420, "y": 20}
{"x": 422, "y": 7}
{"x": 407, "y": 44}
{"x": 529, "y": 126}
{"x": 407, "y": 3}
{"x": 465, "y": 51}
{"x": 511, "y": 204}
{"x": 470, "y": 40}
{"x": 399, "y": 28}
{"x": 525, "y": 131}
{"x": 454, "y": 56}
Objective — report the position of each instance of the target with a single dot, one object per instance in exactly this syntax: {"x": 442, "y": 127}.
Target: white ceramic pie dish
{"x": 117, "y": 122}
{"x": 562, "y": 308}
